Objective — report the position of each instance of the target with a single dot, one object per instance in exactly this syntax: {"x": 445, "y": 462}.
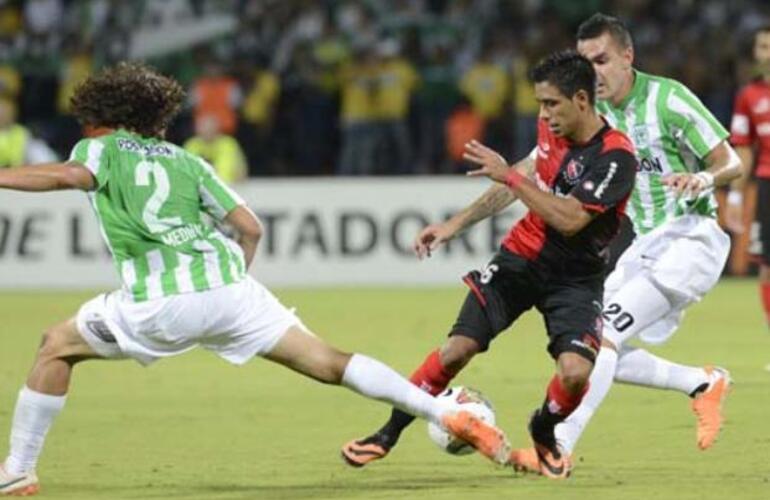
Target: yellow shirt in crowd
{"x": 487, "y": 87}
{"x": 261, "y": 99}
{"x": 224, "y": 153}
{"x": 397, "y": 80}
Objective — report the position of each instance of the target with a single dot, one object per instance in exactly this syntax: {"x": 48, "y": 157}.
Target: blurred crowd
{"x": 304, "y": 87}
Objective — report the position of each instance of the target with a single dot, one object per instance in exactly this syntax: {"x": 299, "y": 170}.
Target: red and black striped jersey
{"x": 600, "y": 174}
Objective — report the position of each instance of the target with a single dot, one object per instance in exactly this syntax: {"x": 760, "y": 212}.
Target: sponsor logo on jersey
{"x": 740, "y": 125}
{"x": 145, "y": 149}
{"x": 762, "y": 106}
{"x": 650, "y": 166}
{"x": 763, "y": 128}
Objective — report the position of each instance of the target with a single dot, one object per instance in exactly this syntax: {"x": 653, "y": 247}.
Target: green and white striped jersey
{"x": 148, "y": 199}
{"x": 673, "y": 132}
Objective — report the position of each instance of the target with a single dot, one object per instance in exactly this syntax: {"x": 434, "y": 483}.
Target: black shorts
{"x": 763, "y": 217}
{"x": 619, "y": 244}
{"x": 509, "y": 286}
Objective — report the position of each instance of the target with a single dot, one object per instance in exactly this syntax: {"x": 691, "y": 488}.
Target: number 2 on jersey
{"x": 154, "y": 222}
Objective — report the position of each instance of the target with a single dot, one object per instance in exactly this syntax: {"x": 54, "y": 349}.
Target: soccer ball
{"x": 456, "y": 399}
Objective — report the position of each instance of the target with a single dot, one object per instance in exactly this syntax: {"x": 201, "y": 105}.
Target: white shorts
{"x": 683, "y": 259}
{"x": 236, "y": 321}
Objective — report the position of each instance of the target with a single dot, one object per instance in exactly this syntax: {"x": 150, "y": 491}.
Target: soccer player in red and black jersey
{"x": 576, "y": 184}
{"x": 750, "y": 131}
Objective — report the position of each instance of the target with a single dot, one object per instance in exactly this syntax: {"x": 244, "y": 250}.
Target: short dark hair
{"x": 129, "y": 95}
{"x": 598, "y": 24}
{"x": 568, "y": 71}
{"x": 765, "y": 28}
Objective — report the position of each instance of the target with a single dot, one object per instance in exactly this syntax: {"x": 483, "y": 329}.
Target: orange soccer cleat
{"x": 360, "y": 452}
{"x": 524, "y": 460}
{"x": 554, "y": 463}
{"x": 488, "y": 440}
{"x": 707, "y": 406}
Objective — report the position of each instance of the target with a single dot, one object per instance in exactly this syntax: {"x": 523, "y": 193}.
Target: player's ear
{"x": 581, "y": 100}
{"x": 628, "y": 55}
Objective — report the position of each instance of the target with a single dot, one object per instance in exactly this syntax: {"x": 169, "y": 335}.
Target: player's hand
{"x": 493, "y": 165}
{"x": 688, "y": 185}
{"x": 734, "y": 215}
{"x": 431, "y": 238}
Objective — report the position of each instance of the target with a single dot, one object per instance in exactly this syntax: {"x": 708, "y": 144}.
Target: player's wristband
{"x": 514, "y": 179}
{"x": 707, "y": 178}
{"x": 734, "y": 197}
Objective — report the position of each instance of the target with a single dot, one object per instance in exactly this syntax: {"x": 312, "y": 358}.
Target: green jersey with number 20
{"x": 673, "y": 132}
{"x": 148, "y": 198}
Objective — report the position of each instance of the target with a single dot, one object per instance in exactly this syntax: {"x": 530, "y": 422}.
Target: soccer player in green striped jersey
{"x": 679, "y": 250}
{"x": 184, "y": 283}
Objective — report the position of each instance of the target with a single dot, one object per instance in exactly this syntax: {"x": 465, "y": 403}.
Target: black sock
{"x": 542, "y": 424}
{"x": 391, "y": 431}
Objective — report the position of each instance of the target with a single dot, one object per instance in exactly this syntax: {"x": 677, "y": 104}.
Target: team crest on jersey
{"x": 573, "y": 171}
{"x": 640, "y": 136}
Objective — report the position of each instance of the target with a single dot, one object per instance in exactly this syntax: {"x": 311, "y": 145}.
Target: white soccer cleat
{"x": 18, "y": 485}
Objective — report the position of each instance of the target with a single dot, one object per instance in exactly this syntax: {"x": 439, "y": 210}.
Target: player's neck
{"x": 625, "y": 89}
{"x": 587, "y": 129}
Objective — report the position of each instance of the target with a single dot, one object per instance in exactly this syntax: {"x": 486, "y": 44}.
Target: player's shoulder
{"x": 666, "y": 83}
{"x": 616, "y": 140}
{"x": 183, "y": 155}
{"x": 91, "y": 147}
{"x": 753, "y": 89}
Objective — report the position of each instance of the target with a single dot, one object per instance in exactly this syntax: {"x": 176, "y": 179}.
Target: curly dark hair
{"x": 129, "y": 95}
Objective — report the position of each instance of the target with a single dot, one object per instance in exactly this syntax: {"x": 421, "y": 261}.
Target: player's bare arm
{"x": 723, "y": 167}
{"x": 249, "y": 229}
{"x": 47, "y": 177}
{"x": 491, "y": 202}
{"x": 566, "y": 215}
{"x": 734, "y": 208}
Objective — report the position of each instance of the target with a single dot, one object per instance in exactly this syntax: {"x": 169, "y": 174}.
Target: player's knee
{"x": 574, "y": 374}
{"x": 53, "y": 343}
{"x": 457, "y": 352}
{"x": 574, "y": 383}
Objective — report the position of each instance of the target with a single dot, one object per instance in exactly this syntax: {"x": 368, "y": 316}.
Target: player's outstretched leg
{"x": 38, "y": 404}
{"x": 432, "y": 376}
{"x": 707, "y": 386}
{"x": 309, "y": 355}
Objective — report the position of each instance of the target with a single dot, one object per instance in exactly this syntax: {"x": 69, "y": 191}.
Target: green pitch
{"x": 195, "y": 427}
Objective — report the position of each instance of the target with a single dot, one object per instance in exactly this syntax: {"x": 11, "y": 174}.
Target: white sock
{"x": 34, "y": 414}
{"x": 640, "y": 367}
{"x": 377, "y": 380}
{"x": 569, "y": 431}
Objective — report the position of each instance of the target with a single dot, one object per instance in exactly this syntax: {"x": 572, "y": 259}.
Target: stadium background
{"x": 343, "y": 184}
{"x": 286, "y": 91}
